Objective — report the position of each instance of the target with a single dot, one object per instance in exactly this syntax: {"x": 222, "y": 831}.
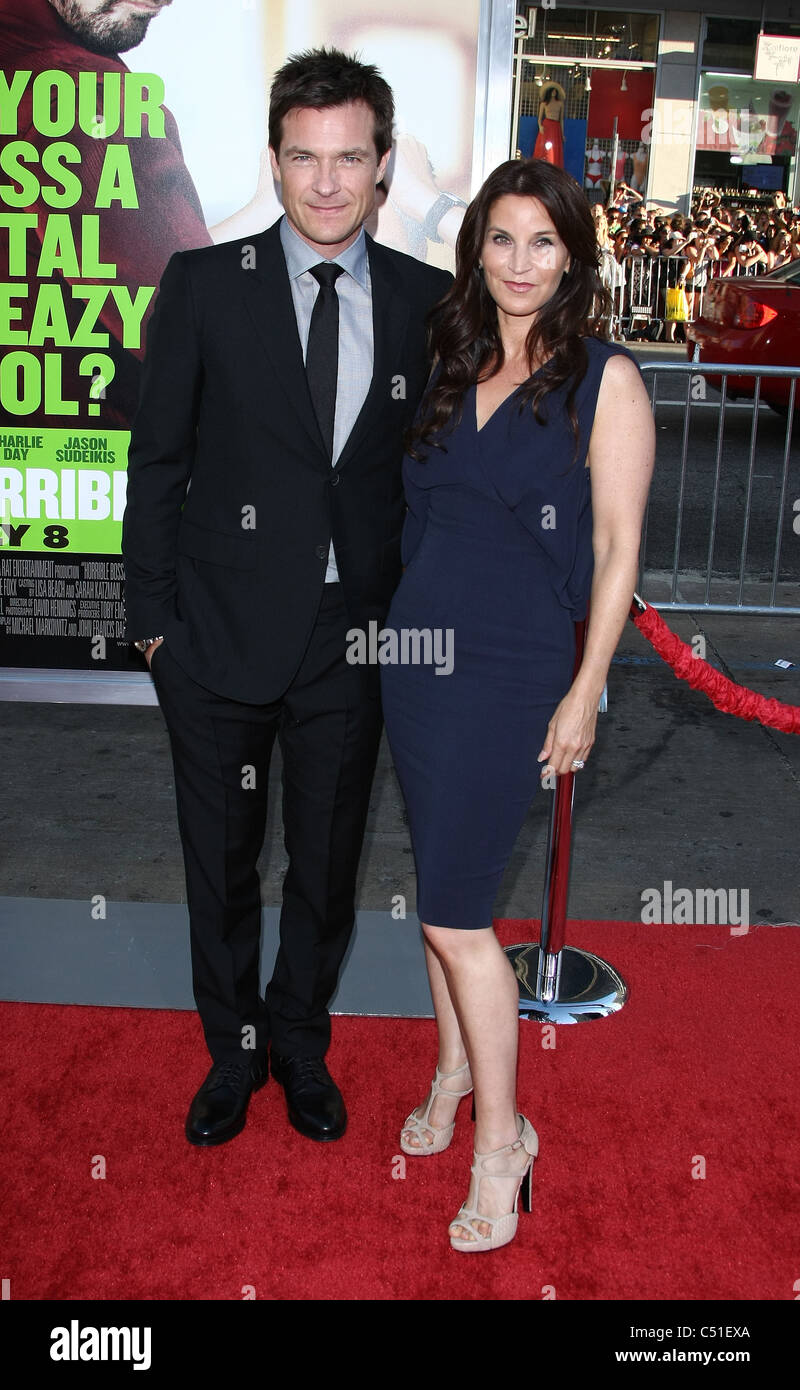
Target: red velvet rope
{"x": 724, "y": 693}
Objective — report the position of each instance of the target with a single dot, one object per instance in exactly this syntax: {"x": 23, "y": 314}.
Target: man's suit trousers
{"x": 328, "y": 725}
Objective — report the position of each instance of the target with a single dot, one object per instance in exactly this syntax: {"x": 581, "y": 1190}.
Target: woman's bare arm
{"x": 621, "y": 457}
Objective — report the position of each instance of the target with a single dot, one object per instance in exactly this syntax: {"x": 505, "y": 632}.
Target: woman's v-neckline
{"x": 480, "y": 428}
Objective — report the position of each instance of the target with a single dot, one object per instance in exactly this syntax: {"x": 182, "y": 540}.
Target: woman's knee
{"x": 455, "y": 943}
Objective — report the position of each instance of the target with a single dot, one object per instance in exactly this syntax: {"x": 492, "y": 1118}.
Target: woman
{"x": 726, "y": 257}
{"x": 779, "y": 251}
{"x": 676, "y": 303}
{"x": 620, "y": 243}
{"x": 611, "y": 273}
{"x": 605, "y": 246}
{"x": 508, "y": 519}
{"x": 550, "y": 140}
{"x": 751, "y": 258}
{"x": 637, "y": 278}
{"x": 701, "y": 253}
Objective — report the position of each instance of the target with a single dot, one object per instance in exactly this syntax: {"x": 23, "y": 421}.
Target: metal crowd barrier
{"x": 712, "y": 539}
{"x": 642, "y": 282}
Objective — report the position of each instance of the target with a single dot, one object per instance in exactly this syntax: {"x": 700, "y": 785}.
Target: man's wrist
{"x": 145, "y": 643}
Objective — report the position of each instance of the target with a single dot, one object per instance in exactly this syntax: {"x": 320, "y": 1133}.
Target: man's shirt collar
{"x": 301, "y": 257}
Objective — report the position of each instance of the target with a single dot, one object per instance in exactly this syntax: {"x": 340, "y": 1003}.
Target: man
{"x": 108, "y": 26}
{"x": 263, "y": 522}
{"x": 74, "y": 36}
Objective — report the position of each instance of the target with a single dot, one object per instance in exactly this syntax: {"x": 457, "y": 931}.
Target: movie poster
{"x": 127, "y": 132}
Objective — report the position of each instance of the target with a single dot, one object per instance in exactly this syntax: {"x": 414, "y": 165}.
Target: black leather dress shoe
{"x": 313, "y": 1099}
{"x": 219, "y": 1110}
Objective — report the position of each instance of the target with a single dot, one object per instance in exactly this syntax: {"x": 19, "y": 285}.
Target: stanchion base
{"x": 588, "y": 986}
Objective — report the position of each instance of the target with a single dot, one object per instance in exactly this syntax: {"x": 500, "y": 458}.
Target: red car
{"x": 753, "y": 319}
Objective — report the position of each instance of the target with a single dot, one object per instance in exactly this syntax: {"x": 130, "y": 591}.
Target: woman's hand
{"x": 260, "y": 212}
{"x": 570, "y": 733}
{"x": 410, "y": 179}
{"x": 154, "y": 646}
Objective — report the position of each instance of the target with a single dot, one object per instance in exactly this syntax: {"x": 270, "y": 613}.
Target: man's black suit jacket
{"x": 232, "y": 500}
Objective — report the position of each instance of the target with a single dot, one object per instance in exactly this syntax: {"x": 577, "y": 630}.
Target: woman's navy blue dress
{"x": 497, "y": 546}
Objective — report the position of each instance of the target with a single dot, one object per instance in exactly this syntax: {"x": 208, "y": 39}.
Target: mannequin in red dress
{"x": 550, "y": 140}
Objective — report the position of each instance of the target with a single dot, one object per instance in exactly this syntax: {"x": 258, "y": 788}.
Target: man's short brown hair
{"x": 323, "y": 77}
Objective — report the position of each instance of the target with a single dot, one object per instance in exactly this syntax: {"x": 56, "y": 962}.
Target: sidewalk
{"x": 674, "y": 790}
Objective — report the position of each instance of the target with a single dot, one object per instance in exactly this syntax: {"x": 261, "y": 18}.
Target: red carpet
{"x": 701, "y": 1063}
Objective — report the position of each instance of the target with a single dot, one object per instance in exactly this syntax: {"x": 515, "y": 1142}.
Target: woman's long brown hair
{"x": 464, "y": 337}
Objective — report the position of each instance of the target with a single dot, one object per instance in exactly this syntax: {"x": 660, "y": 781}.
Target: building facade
{"x": 666, "y": 99}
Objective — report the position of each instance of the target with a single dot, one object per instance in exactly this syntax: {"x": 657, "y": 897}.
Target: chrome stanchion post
{"x": 559, "y": 983}
{"x": 554, "y": 899}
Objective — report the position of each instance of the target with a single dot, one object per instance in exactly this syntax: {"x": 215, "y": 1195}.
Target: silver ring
{"x": 578, "y": 762}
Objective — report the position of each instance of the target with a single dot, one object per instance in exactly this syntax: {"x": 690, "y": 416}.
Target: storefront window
{"x": 560, "y": 31}
{"x": 746, "y": 134}
{"x": 730, "y": 44}
{"x": 584, "y": 93}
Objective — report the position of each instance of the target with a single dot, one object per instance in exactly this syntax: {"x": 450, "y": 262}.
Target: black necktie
{"x": 322, "y": 350}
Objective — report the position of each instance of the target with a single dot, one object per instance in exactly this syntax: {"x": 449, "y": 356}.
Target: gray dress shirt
{"x": 355, "y": 330}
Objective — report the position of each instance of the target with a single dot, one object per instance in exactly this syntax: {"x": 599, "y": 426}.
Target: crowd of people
{"x": 719, "y": 238}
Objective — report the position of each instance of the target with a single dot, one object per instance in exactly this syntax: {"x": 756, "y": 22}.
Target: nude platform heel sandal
{"x": 503, "y": 1228}
{"x": 442, "y": 1135}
